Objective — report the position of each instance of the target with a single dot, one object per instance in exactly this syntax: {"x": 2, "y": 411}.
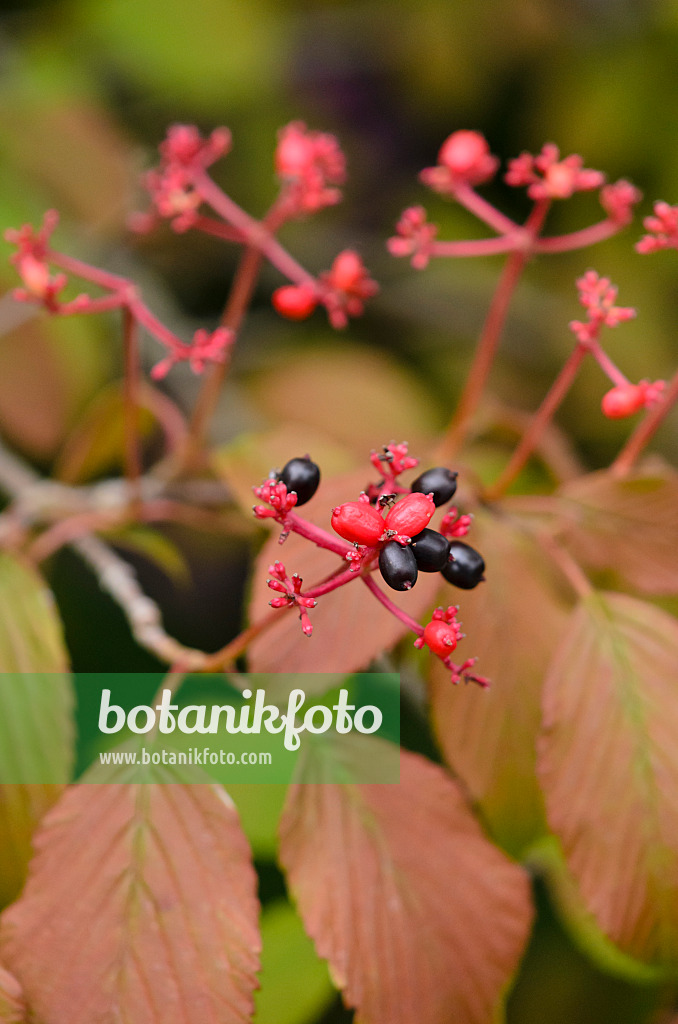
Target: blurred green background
{"x": 87, "y": 88}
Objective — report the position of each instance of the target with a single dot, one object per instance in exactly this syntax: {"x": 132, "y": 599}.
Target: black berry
{"x": 398, "y": 566}
{"x": 466, "y": 566}
{"x": 440, "y": 482}
{"x": 431, "y": 551}
{"x": 301, "y": 476}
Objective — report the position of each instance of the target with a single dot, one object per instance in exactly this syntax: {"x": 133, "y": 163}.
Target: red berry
{"x": 441, "y": 637}
{"x": 294, "y": 301}
{"x": 358, "y": 522}
{"x": 623, "y": 400}
{"x": 411, "y": 515}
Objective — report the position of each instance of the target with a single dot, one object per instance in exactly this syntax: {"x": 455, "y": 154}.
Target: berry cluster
{"x": 386, "y": 529}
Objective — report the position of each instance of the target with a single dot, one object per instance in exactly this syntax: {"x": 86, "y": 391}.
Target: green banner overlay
{"x": 229, "y": 728}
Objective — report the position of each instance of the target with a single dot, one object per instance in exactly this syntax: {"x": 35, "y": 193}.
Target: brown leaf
{"x": 350, "y": 627}
{"x": 140, "y": 906}
{"x": 12, "y": 1006}
{"x": 422, "y": 920}
{"x": 512, "y": 622}
{"x": 628, "y": 525}
{"x": 36, "y": 716}
{"x": 332, "y": 389}
{"x": 608, "y": 762}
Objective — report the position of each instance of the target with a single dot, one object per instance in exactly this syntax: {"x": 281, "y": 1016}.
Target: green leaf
{"x": 547, "y": 858}
{"x": 295, "y": 984}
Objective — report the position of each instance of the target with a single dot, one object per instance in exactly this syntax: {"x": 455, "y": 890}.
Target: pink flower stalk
{"x": 548, "y": 177}
{"x": 290, "y": 588}
{"x": 345, "y": 287}
{"x": 662, "y": 228}
{"x": 206, "y": 348}
{"x": 464, "y": 159}
{"x": 309, "y": 164}
{"x": 415, "y": 237}
{"x": 598, "y": 296}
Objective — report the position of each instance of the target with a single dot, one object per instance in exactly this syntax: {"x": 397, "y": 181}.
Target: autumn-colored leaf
{"x": 140, "y": 906}
{"x": 36, "y": 408}
{"x": 12, "y": 1006}
{"x": 350, "y": 627}
{"x": 421, "y": 918}
{"x": 36, "y": 716}
{"x": 628, "y": 525}
{"x": 608, "y": 762}
{"x": 512, "y": 622}
{"x": 359, "y": 398}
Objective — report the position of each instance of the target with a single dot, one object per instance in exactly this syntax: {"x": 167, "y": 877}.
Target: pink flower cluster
{"x": 598, "y": 296}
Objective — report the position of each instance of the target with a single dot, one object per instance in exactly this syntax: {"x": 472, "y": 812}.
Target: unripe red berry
{"x": 411, "y": 515}
{"x": 623, "y": 400}
{"x": 441, "y": 637}
{"x": 358, "y": 522}
{"x": 294, "y": 301}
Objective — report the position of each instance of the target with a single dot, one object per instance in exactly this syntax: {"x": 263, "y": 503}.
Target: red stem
{"x": 484, "y": 211}
{"x": 393, "y": 608}
{"x": 131, "y": 403}
{"x": 578, "y": 239}
{"x": 257, "y": 233}
{"x": 539, "y": 422}
{"x": 489, "y": 338}
{"x": 316, "y": 534}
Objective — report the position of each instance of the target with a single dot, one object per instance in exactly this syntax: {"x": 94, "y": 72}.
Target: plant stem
{"x": 131, "y": 403}
{"x": 234, "y": 648}
{"x": 538, "y": 424}
{"x": 491, "y": 333}
{"x": 342, "y": 578}
{"x": 484, "y": 357}
{"x": 208, "y": 398}
{"x": 393, "y": 608}
{"x": 317, "y": 535}
{"x": 645, "y": 431}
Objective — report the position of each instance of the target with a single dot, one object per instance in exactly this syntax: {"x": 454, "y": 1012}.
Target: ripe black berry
{"x": 301, "y": 476}
{"x": 440, "y": 482}
{"x": 466, "y": 566}
{"x": 431, "y": 551}
{"x": 398, "y": 566}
